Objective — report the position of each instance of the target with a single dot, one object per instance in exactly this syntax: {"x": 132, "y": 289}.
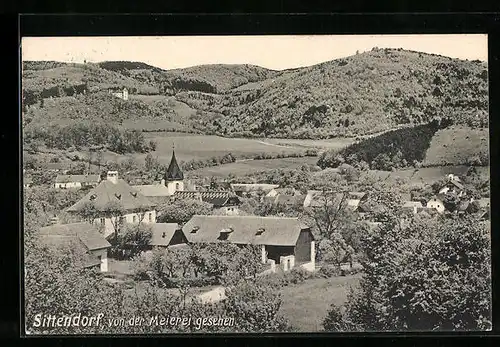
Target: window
{"x": 177, "y": 186}
{"x": 99, "y": 257}
{"x": 102, "y": 220}
{"x": 123, "y": 220}
{"x": 150, "y": 217}
{"x": 134, "y": 219}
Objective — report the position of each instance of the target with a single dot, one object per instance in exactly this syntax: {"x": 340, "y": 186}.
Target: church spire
{"x": 174, "y": 172}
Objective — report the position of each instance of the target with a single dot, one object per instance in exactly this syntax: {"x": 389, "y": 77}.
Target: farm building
{"x": 76, "y": 181}
{"x": 167, "y": 235}
{"x": 223, "y": 202}
{"x": 116, "y": 202}
{"x": 453, "y": 186}
{"x": 254, "y": 189}
{"x": 122, "y": 94}
{"x": 287, "y": 200}
{"x": 286, "y": 241}
{"x": 412, "y": 206}
{"x": 84, "y": 236}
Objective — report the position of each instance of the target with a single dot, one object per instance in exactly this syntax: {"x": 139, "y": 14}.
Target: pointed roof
{"x": 174, "y": 172}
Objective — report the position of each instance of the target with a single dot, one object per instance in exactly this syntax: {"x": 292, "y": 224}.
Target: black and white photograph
{"x": 251, "y": 184}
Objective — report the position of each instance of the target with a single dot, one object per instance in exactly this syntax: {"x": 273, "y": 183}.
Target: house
{"x": 122, "y": 94}
{"x": 412, "y": 206}
{"x": 172, "y": 181}
{"x": 287, "y": 200}
{"x": 167, "y": 235}
{"x": 318, "y": 198}
{"x": 453, "y": 186}
{"x": 81, "y": 235}
{"x": 286, "y": 241}
{"x": 436, "y": 203}
{"x": 76, "y": 181}
{"x": 117, "y": 192}
{"x": 222, "y": 201}
{"x": 254, "y": 189}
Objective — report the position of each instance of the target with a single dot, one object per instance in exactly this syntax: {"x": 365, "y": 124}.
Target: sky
{"x": 272, "y": 52}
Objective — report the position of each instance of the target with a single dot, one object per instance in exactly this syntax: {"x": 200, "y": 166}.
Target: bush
{"x": 328, "y": 271}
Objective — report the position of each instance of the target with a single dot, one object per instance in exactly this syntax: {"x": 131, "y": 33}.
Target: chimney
{"x": 112, "y": 176}
{"x": 163, "y": 235}
{"x": 162, "y": 182}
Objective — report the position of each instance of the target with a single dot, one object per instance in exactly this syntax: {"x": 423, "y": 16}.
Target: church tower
{"x": 174, "y": 178}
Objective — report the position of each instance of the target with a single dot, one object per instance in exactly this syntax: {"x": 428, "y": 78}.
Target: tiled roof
{"x": 108, "y": 191}
{"x": 317, "y": 198}
{"x": 174, "y": 172}
{"x": 85, "y": 232}
{"x": 456, "y": 184}
{"x": 278, "y": 231}
{"x": 78, "y": 178}
{"x": 152, "y": 190}
{"x": 249, "y": 187}
{"x": 162, "y": 233}
{"x": 216, "y": 198}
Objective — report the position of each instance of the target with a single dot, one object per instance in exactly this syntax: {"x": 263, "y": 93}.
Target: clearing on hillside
{"x": 457, "y": 146}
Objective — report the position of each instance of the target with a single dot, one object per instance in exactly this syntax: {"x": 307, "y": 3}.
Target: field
{"x": 455, "y": 145}
{"x": 306, "y": 304}
{"x": 189, "y": 147}
{"x": 253, "y": 166}
{"x": 337, "y": 143}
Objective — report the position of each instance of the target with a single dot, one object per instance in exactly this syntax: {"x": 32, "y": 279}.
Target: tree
{"x": 89, "y": 212}
{"x": 335, "y": 249}
{"x": 114, "y": 210}
{"x": 182, "y": 210}
{"x": 428, "y": 276}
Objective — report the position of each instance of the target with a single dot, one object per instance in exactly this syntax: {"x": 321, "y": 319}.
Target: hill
{"x": 364, "y": 93}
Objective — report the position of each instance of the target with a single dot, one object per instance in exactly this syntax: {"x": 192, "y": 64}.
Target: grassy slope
{"x": 306, "y": 304}
{"x": 455, "y": 145}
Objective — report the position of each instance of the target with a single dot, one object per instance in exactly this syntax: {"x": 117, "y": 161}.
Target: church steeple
{"x": 174, "y": 172}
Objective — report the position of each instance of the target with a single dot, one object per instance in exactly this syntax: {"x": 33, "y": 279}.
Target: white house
{"x": 76, "y": 181}
{"x": 436, "y": 203}
{"x": 116, "y": 193}
{"x": 453, "y": 186}
{"x": 82, "y": 235}
{"x": 122, "y": 94}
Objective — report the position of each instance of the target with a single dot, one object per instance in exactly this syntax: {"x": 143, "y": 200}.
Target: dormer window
{"x": 134, "y": 194}
{"x": 195, "y": 229}
{"x": 163, "y": 235}
{"x": 93, "y": 197}
{"x": 260, "y": 231}
{"x": 118, "y": 196}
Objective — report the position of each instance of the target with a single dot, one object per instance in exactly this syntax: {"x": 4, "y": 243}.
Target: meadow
{"x": 457, "y": 145}
{"x": 306, "y": 304}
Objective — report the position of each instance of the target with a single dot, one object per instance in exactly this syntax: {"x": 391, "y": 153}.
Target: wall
{"x": 129, "y": 218}
{"x": 287, "y": 262}
{"x": 436, "y": 204}
{"x": 171, "y": 186}
{"x": 275, "y": 252}
{"x": 103, "y": 253}
{"x": 303, "y": 246}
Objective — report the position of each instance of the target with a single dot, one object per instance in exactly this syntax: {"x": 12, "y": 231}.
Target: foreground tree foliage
{"x": 427, "y": 276}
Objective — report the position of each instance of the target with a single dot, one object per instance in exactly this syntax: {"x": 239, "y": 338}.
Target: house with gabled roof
{"x": 167, "y": 235}
{"x": 453, "y": 186}
{"x": 285, "y": 241}
{"x": 436, "y": 202}
{"x": 254, "y": 189}
{"x": 76, "y": 181}
{"x": 81, "y": 235}
{"x": 115, "y": 191}
{"x": 223, "y": 202}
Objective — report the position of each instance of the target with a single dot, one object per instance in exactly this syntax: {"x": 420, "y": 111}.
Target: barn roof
{"x": 78, "y": 178}
{"x": 455, "y": 183}
{"x": 162, "y": 233}
{"x": 276, "y": 231}
{"x": 283, "y": 199}
{"x": 119, "y": 192}
{"x": 216, "y": 198}
{"x": 86, "y": 233}
{"x": 174, "y": 172}
{"x": 317, "y": 198}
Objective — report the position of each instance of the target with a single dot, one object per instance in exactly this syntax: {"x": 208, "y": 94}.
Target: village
{"x": 285, "y": 243}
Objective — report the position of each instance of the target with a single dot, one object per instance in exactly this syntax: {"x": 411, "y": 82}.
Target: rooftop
{"x": 216, "y": 198}
{"x": 162, "y": 233}
{"x": 277, "y": 231}
{"x": 78, "y": 178}
{"x": 174, "y": 172}
{"x": 85, "y": 232}
{"x": 129, "y": 198}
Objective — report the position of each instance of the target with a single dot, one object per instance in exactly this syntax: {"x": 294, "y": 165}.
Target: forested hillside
{"x": 362, "y": 94}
